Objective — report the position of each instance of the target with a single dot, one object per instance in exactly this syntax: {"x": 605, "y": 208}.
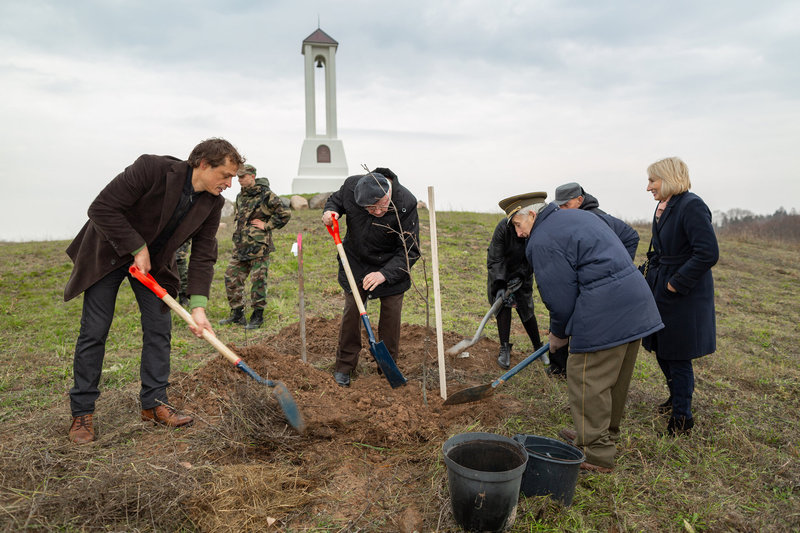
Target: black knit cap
{"x": 371, "y": 188}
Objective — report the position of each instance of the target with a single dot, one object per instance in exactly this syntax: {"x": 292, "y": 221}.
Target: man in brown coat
{"x": 141, "y": 217}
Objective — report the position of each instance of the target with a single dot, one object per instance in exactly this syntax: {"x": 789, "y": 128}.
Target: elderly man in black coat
{"x": 381, "y": 246}
{"x": 678, "y": 270}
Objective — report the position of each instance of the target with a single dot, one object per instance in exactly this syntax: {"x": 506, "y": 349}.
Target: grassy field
{"x": 740, "y": 470}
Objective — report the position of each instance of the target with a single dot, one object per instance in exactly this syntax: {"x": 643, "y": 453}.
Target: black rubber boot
{"x": 256, "y": 319}
{"x": 665, "y": 407}
{"x": 679, "y": 426}
{"x": 504, "y": 359}
{"x": 237, "y": 317}
{"x": 532, "y": 329}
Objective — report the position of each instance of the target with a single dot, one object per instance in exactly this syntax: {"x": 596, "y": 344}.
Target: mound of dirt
{"x": 370, "y": 453}
{"x": 369, "y": 411}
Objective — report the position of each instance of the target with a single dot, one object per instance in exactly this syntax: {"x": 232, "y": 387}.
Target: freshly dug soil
{"x": 367, "y": 448}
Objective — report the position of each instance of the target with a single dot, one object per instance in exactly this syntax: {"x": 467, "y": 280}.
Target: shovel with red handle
{"x": 378, "y": 349}
{"x": 280, "y": 391}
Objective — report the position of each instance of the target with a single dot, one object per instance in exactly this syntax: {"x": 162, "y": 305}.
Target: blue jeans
{"x": 99, "y": 301}
{"x": 680, "y": 381}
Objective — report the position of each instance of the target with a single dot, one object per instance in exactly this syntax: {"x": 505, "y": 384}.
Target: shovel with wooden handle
{"x": 280, "y": 391}
{"x": 498, "y": 303}
{"x": 378, "y": 349}
{"x": 479, "y": 392}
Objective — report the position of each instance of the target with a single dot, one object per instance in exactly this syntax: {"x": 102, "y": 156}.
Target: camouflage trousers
{"x": 182, "y": 258}
{"x": 236, "y": 277}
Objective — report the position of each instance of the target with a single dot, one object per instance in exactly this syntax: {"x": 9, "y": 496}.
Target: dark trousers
{"x": 680, "y": 381}
{"x": 504, "y": 327}
{"x": 350, "y": 330}
{"x": 99, "y": 301}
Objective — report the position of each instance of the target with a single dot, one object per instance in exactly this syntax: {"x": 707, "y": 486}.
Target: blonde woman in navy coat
{"x": 684, "y": 248}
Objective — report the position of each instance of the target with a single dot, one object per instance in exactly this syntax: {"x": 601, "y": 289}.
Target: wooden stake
{"x": 437, "y": 294}
{"x": 301, "y": 297}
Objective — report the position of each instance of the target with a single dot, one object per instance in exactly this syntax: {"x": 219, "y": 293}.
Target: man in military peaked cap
{"x": 601, "y": 305}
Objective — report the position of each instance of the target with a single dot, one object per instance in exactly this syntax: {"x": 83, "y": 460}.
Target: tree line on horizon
{"x": 739, "y": 223}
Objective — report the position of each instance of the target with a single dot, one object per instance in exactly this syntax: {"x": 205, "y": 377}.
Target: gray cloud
{"x": 526, "y": 94}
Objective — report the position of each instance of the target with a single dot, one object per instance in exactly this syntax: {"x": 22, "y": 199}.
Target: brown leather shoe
{"x": 568, "y": 435}
{"x": 167, "y": 416}
{"x": 81, "y": 431}
{"x": 595, "y": 468}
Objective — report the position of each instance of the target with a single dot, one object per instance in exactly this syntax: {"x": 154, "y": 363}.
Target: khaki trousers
{"x": 597, "y": 383}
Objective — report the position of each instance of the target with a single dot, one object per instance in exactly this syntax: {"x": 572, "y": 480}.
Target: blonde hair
{"x": 674, "y": 175}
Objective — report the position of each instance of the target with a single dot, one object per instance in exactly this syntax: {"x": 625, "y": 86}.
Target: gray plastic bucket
{"x": 484, "y": 473}
{"x": 552, "y": 469}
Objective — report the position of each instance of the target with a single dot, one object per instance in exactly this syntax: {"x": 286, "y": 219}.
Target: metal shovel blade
{"x": 282, "y": 394}
{"x": 387, "y": 365}
{"x": 289, "y": 407}
{"x": 479, "y": 392}
{"x": 472, "y": 394}
{"x": 498, "y": 303}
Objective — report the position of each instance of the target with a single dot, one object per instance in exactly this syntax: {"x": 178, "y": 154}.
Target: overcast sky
{"x": 481, "y": 99}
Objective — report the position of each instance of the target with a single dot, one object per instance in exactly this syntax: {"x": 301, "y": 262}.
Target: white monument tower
{"x": 323, "y": 167}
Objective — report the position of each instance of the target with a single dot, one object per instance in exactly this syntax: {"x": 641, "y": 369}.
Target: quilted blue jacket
{"x": 594, "y": 293}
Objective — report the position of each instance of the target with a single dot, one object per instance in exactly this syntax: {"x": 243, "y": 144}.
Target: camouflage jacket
{"x": 257, "y": 202}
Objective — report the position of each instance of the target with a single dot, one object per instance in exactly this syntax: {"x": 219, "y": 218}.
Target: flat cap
{"x": 371, "y": 188}
{"x": 568, "y": 191}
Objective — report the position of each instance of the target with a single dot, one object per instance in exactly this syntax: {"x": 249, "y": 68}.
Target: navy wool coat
{"x": 587, "y": 280}
{"x": 684, "y": 250}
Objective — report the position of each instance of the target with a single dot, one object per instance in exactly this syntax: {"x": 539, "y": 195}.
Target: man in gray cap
{"x": 381, "y": 246}
{"x": 572, "y": 196}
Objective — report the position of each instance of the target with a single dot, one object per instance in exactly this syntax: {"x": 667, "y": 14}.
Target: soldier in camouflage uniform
{"x": 182, "y": 258}
{"x": 257, "y": 212}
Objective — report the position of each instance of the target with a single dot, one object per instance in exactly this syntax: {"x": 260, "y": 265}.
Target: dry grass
{"x": 239, "y": 466}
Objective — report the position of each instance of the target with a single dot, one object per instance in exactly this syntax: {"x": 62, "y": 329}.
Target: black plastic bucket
{"x": 484, "y": 472}
{"x": 553, "y": 468}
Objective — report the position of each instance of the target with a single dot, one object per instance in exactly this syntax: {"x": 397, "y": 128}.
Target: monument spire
{"x": 323, "y": 166}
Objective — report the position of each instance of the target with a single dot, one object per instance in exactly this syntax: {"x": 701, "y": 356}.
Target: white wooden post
{"x": 437, "y": 294}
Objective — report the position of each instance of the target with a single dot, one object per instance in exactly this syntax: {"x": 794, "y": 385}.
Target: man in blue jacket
{"x": 598, "y": 302}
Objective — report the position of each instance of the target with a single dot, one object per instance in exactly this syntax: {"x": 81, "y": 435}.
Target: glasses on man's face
{"x": 382, "y": 205}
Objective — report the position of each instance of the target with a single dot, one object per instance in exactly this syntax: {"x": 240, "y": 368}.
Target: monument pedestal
{"x": 320, "y": 176}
